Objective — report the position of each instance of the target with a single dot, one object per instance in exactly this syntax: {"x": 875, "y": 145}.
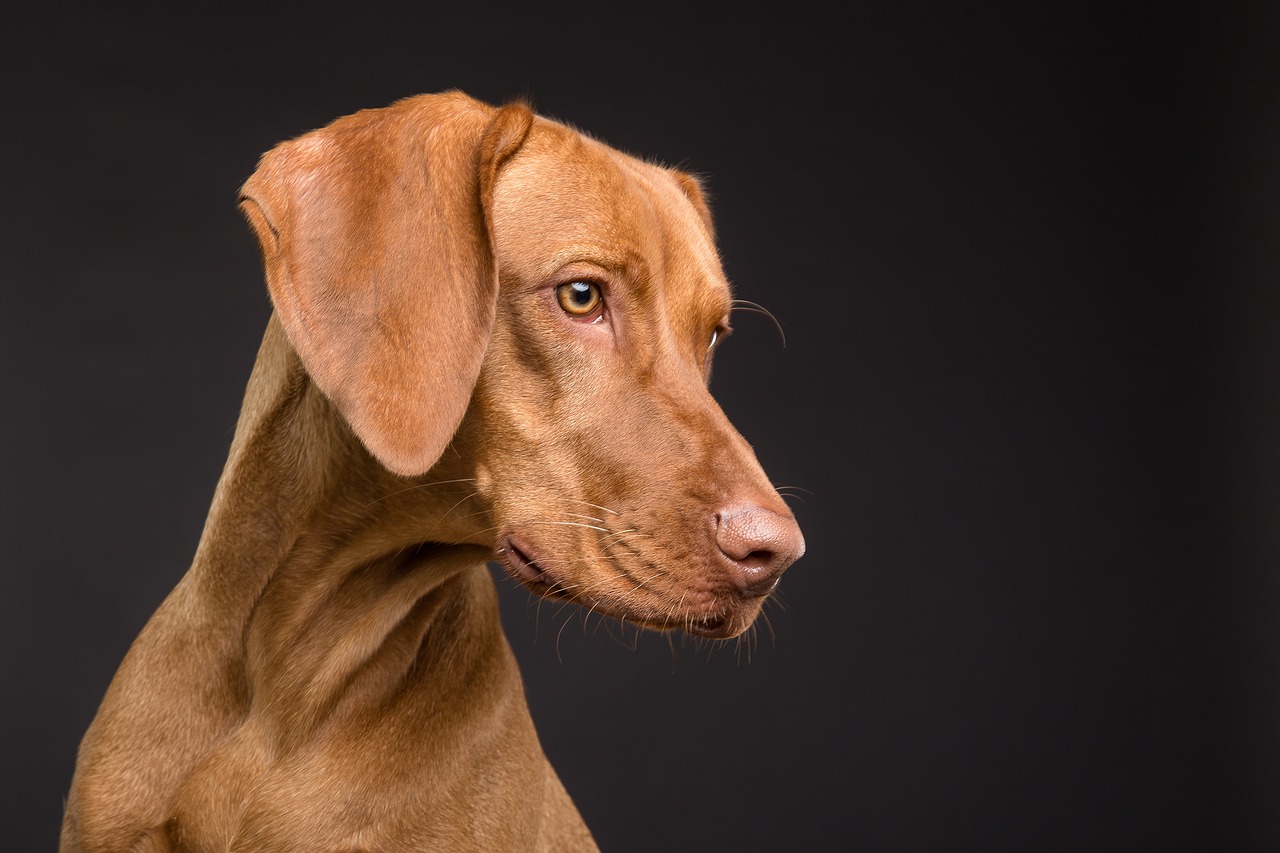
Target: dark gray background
{"x": 1024, "y": 255}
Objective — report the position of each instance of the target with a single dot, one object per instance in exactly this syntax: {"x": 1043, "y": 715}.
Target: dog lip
{"x": 521, "y": 564}
{"x": 715, "y": 627}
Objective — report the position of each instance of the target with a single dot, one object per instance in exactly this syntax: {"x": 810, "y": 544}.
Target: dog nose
{"x": 760, "y": 544}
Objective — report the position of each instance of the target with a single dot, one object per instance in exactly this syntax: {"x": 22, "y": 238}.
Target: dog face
{"x": 550, "y": 314}
{"x": 609, "y": 467}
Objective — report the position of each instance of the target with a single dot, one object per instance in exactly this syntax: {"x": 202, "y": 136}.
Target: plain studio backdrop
{"x": 1025, "y": 260}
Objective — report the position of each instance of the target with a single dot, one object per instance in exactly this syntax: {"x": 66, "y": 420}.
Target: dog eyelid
{"x": 718, "y": 334}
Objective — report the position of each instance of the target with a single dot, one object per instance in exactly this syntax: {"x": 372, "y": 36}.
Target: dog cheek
{"x": 484, "y": 482}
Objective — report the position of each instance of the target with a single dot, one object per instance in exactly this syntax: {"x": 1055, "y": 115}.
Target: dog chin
{"x": 724, "y": 625}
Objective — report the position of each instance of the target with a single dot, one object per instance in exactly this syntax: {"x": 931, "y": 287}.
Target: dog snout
{"x": 759, "y": 545}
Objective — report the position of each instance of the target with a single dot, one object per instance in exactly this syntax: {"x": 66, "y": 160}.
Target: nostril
{"x": 759, "y": 544}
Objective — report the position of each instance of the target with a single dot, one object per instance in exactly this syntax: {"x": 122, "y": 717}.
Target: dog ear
{"x": 376, "y": 241}
{"x": 693, "y": 189}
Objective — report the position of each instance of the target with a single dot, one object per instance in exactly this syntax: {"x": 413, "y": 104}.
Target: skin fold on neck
{"x": 323, "y": 589}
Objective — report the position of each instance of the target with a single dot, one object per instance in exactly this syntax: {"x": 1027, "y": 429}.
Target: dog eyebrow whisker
{"x": 757, "y": 308}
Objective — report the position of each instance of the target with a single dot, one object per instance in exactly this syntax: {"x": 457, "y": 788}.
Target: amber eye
{"x": 580, "y": 298}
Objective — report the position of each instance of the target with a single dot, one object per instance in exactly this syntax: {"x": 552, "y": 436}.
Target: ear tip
{"x": 506, "y": 133}
{"x": 405, "y": 468}
{"x": 519, "y": 105}
{"x": 512, "y": 124}
{"x": 404, "y": 438}
{"x": 402, "y": 459}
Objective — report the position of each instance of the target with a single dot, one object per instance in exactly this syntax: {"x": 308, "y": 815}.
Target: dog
{"x": 491, "y": 339}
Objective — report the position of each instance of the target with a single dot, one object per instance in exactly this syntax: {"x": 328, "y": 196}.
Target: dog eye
{"x": 581, "y": 299}
{"x": 718, "y": 334}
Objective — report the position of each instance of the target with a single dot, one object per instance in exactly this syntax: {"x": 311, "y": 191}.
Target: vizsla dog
{"x": 491, "y": 340}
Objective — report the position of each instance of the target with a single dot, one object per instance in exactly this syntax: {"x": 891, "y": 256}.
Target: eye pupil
{"x": 579, "y": 298}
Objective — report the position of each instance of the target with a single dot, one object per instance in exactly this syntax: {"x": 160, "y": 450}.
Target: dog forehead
{"x": 567, "y": 197}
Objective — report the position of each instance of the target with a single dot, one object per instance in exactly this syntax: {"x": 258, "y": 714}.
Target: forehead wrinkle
{"x": 624, "y": 261}
{"x": 562, "y": 197}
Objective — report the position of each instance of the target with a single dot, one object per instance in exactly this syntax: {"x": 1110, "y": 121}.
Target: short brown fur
{"x": 331, "y": 673}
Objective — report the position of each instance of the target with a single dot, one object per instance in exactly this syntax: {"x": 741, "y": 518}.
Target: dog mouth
{"x": 524, "y": 568}
{"x": 522, "y": 565}
{"x": 715, "y": 627}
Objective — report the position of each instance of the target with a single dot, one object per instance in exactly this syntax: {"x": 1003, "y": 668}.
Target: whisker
{"x": 558, "y": 635}
{"x": 646, "y": 580}
{"x": 445, "y": 514}
{"x": 757, "y": 308}
{"x": 597, "y": 506}
{"x": 580, "y": 515}
{"x": 773, "y": 638}
{"x": 418, "y": 486}
{"x": 572, "y": 524}
{"x": 619, "y": 534}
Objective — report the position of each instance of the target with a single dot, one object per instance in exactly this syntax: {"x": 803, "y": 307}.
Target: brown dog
{"x": 492, "y": 335}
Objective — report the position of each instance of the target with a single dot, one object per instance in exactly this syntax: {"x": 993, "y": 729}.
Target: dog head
{"x": 454, "y": 275}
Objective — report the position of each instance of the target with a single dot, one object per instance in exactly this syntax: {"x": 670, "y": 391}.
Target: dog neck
{"x": 325, "y": 573}
{"x": 330, "y": 605}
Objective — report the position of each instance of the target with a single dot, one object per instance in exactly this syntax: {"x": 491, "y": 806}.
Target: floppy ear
{"x": 376, "y": 242}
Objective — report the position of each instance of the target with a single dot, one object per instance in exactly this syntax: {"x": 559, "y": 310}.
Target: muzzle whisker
{"x": 417, "y": 486}
{"x": 622, "y": 534}
{"x": 573, "y": 524}
{"x": 559, "y": 659}
{"x": 597, "y": 506}
{"x": 589, "y": 517}
{"x": 773, "y": 638}
{"x": 445, "y": 514}
{"x": 646, "y": 580}
{"x": 474, "y": 515}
